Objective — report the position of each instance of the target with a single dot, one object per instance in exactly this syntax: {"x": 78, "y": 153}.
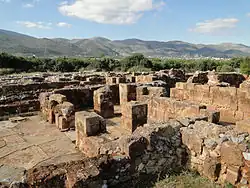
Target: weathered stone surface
{"x": 89, "y": 124}
{"x": 232, "y": 174}
{"x": 127, "y": 93}
{"x": 231, "y": 154}
{"x": 103, "y": 104}
{"x": 213, "y": 116}
{"x": 134, "y": 114}
{"x": 243, "y": 126}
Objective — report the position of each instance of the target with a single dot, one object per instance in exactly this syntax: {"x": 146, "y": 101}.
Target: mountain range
{"x": 20, "y": 44}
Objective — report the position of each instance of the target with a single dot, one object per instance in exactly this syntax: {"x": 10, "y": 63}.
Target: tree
{"x": 245, "y": 66}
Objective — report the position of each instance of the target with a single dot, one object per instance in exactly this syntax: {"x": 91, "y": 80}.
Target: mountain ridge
{"x": 21, "y": 44}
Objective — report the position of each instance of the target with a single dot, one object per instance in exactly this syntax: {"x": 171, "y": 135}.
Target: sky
{"x": 195, "y": 21}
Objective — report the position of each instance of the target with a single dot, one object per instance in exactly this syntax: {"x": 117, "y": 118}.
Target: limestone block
{"x": 213, "y": 116}
{"x": 243, "y": 126}
{"x": 225, "y": 97}
{"x": 127, "y": 93}
{"x": 243, "y": 98}
{"x": 181, "y": 85}
{"x": 192, "y": 140}
{"x": 134, "y": 114}
{"x": 90, "y": 146}
{"x": 227, "y": 115}
{"x": 103, "y": 104}
{"x": 57, "y": 98}
{"x": 232, "y": 174}
{"x": 65, "y": 109}
{"x": 63, "y": 123}
{"x": 89, "y": 124}
{"x": 202, "y": 94}
{"x": 177, "y": 93}
{"x": 211, "y": 168}
{"x": 231, "y": 154}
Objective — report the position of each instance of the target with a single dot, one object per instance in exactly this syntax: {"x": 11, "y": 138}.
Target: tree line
{"x": 133, "y": 63}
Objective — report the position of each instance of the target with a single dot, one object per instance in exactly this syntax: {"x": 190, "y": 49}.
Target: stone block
{"x": 181, "y": 85}
{"x": 58, "y": 98}
{"x": 232, "y": 175}
{"x": 89, "y": 124}
{"x": 243, "y": 126}
{"x": 213, "y": 116}
{"x": 63, "y": 123}
{"x": 90, "y": 146}
{"x": 227, "y": 115}
{"x": 134, "y": 114}
{"x": 177, "y": 93}
{"x": 211, "y": 168}
{"x": 186, "y": 109}
{"x": 243, "y": 98}
{"x": 192, "y": 141}
{"x": 103, "y": 104}
{"x": 231, "y": 154}
{"x": 202, "y": 94}
{"x": 225, "y": 97}
{"x": 127, "y": 93}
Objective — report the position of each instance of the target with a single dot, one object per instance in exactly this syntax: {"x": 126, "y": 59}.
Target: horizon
{"x": 193, "y": 21}
{"x": 126, "y": 39}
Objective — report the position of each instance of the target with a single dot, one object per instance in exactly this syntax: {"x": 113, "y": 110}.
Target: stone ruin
{"x": 128, "y": 129}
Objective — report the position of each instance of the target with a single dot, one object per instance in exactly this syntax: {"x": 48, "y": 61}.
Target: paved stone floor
{"x": 33, "y": 142}
{"x": 29, "y": 143}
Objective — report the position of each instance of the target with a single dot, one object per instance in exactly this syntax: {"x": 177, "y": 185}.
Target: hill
{"x": 20, "y": 44}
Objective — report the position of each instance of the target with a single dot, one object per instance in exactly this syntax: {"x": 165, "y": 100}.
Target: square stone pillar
{"x": 127, "y": 93}
{"x": 103, "y": 104}
{"x": 134, "y": 114}
{"x": 88, "y": 125}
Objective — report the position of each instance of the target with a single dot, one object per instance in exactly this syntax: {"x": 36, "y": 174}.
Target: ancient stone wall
{"x": 233, "y": 103}
{"x": 217, "y": 152}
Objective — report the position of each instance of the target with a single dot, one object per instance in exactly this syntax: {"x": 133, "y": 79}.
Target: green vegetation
{"x": 186, "y": 180}
{"x": 245, "y": 66}
{"x": 136, "y": 62}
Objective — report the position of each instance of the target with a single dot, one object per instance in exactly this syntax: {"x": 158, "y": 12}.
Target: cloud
{"x": 28, "y": 5}
{"x": 248, "y": 14}
{"x": 110, "y": 11}
{"x": 31, "y": 4}
{"x": 37, "y": 25}
{"x": 5, "y": 1}
{"x": 215, "y": 26}
{"x": 63, "y": 24}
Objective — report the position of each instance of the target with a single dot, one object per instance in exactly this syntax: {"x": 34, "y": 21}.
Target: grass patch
{"x": 186, "y": 180}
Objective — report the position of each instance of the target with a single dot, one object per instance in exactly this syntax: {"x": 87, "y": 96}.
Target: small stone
{"x": 141, "y": 166}
{"x": 237, "y": 140}
{"x": 210, "y": 144}
{"x": 246, "y": 156}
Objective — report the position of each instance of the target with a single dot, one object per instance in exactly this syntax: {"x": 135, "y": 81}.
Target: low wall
{"x": 233, "y": 103}
{"x": 161, "y": 108}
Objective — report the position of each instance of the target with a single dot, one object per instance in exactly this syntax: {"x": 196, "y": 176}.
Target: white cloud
{"x": 248, "y": 14}
{"x": 215, "y": 26}
{"x": 63, "y": 24}
{"x": 28, "y": 5}
{"x": 37, "y": 25}
{"x": 109, "y": 11}
{"x": 5, "y": 1}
